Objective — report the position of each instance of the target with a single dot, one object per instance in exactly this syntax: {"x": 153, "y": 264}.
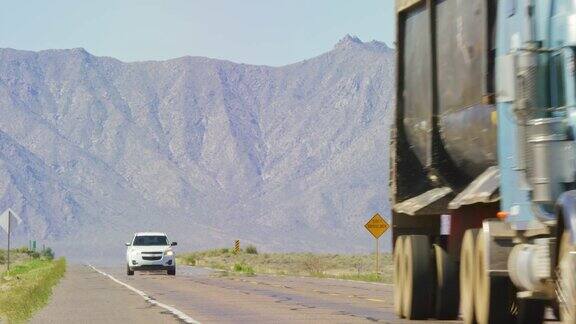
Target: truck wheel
{"x": 128, "y": 271}
{"x": 493, "y": 296}
{"x": 417, "y": 293}
{"x": 172, "y": 271}
{"x": 555, "y": 309}
{"x": 531, "y": 310}
{"x": 467, "y": 267}
{"x": 447, "y": 299}
{"x": 567, "y": 280}
{"x": 398, "y": 275}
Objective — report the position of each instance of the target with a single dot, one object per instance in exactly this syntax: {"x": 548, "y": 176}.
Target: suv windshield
{"x": 150, "y": 240}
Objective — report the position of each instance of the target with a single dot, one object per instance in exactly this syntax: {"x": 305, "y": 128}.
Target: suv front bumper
{"x": 164, "y": 263}
{"x": 151, "y": 267}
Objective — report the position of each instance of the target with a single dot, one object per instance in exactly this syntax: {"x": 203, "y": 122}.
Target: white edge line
{"x": 180, "y": 315}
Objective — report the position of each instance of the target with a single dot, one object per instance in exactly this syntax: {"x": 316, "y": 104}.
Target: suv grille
{"x": 151, "y": 258}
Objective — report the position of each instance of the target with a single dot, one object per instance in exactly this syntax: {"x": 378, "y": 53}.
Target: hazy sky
{"x": 272, "y": 32}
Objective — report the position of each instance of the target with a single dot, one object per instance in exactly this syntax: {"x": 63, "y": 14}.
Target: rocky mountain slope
{"x": 287, "y": 158}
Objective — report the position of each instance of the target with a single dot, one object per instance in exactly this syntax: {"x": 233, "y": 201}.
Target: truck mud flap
{"x": 484, "y": 189}
{"x": 431, "y": 202}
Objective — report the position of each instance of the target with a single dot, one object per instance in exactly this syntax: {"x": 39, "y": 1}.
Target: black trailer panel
{"x": 464, "y": 55}
{"x": 416, "y": 96}
{"x": 460, "y": 53}
{"x": 445, "y": 131}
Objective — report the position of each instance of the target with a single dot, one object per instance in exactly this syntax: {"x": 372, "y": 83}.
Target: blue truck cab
{"x": 483, "y": 160}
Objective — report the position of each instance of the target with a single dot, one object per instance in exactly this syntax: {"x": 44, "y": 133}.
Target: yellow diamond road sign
{"x": 377, "y": 225}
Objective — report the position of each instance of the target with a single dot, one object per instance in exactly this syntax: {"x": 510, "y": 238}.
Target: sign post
{"x": 8, "y": 251}
{"x": 377, "y": 226}
{"x": 377, "y": 256}
{"x": 7, "y": 220}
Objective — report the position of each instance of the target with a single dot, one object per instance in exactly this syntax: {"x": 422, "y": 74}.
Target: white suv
{"x": 149, "y": 252}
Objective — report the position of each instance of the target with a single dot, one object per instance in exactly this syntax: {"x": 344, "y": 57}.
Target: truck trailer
{"x": 483, "y": 160}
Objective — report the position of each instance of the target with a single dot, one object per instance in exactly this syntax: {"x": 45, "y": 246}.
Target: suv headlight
{"x": 169, "y": 253}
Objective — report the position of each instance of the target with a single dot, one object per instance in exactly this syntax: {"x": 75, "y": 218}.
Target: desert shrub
{"x": 35, "y": 255}
{"x": 244, "y": 268}
{"x": 48, "y": 254}
{"x": 213, "y": 253}
{"x": 343, "y": 266}
{"x": 359, "y": 265}
{"x": 313, "y": 264}
{"x": 188, "y": 260}
{"x": 23, "y": 250}
{"x": 251, "y": 249}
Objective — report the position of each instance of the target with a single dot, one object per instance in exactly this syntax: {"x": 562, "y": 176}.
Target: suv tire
{"x": 172, "y": 271}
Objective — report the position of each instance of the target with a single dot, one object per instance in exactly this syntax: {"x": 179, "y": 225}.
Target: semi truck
{"x": 483, "y": 160}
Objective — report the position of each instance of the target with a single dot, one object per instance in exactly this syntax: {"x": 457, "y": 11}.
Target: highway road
{"x": 205, "y": 296}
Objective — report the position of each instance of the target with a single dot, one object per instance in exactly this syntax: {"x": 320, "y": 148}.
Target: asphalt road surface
{"x": 86, "y": 296}
{"x": 204, "y": 296}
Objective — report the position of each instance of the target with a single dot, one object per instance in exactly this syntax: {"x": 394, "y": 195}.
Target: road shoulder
{"x": 85, "y": 296}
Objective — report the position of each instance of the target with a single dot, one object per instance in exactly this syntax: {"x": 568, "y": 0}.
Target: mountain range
{"x": 291, "y": 158}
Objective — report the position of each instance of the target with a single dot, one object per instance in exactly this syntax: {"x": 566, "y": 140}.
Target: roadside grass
{"x": 17, "y": 256}
{"x": 27, "y": 287}
{"x": 244, "y": 268}
{"x": 338, "y": 266}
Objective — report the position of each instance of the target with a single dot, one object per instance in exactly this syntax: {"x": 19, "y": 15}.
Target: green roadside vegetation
{"x": 250, "y": 262}
{"x": 27, "y": 286}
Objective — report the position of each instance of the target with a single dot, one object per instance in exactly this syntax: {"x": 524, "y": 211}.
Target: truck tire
{"x": 398, "y": 275}
{"x": 447, "y": 295}
{"x": 171, "y": 271}
{"x": 418, "y": 273}
{"x": 493, "y": 296}
{"x": 467, "y": 274}
{"x": 556, "y": 309}
{"x": 531, "y": 311}
{"x": 128, "y": 271}
{"x": 566, "y": 281}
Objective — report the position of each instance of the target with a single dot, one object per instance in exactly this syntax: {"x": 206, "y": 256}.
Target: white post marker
{"x": 8, "y": 219}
